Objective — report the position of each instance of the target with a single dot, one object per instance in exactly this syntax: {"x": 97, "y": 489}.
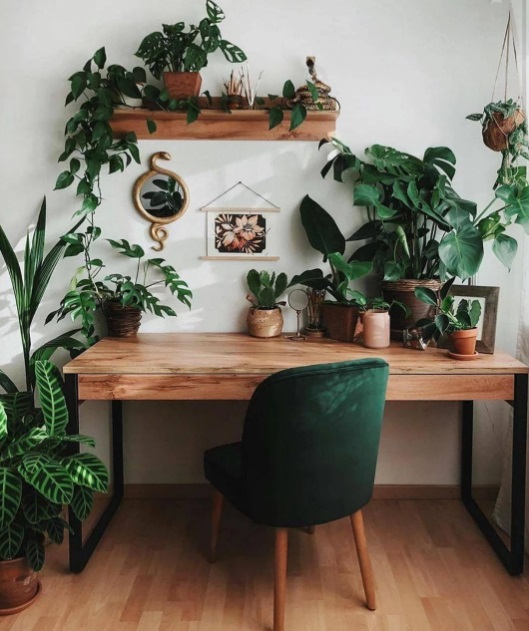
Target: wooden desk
{"x": 228, "y": 366}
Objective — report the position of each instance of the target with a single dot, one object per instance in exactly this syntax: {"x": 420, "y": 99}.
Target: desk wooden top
{"x": 240, "y": 354}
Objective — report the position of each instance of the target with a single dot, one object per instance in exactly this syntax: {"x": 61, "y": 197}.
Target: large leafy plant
{"x": 29, "y": 283}
{"x": 417, "y": 226}
{"x": 266, "y": 288}
{"x": 88, "y": 292}
{"x": 325, "y": 237}
{"x": 180, "y": 50}
{"x": 38, "y": 476}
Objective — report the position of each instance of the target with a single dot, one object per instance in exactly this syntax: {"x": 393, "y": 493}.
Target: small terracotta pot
{"x": 264, "y": 322}
{"x": 121, "y": 321}
{"x": 182, "y": 85}
{"x": 496, "y": 133}
{"x": 464, "y": 342}
{"x": 19, "y": 585}
{"x": 376, "y": 328}
{"x": 342, "y": 321}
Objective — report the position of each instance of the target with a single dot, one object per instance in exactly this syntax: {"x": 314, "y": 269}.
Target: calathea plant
{"x": 89, "y": 291}
{"x": 37, "y": 476}
{"x": 29, "y": 284}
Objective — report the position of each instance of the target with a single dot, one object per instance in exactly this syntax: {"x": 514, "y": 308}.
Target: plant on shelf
{"x": 122, "y": 299}
{"x": 185, "y": 52}
{"x": 264, "y": 316}
{"x": 504, "y": 128}
{"x": 39, "y": 475}
{"x": 29, "y": 284}
{"x": 459, "y": 323}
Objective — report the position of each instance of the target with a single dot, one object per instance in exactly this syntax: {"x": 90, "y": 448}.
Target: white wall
{"x": 406, "y": 73}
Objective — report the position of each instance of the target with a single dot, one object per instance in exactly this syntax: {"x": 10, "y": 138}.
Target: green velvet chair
{"x": 308, "y": 456}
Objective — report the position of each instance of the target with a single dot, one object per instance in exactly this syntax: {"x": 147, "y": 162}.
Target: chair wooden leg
{"x": 357, "y": 522}
{"x": 281, "y": 553}
{"x": 216, "y": 514}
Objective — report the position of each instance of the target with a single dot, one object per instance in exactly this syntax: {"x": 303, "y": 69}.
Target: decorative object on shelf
{"x": 264, "y": 316}
{"x": 185, "y": 53}
{"x": 504, "y": 124}
{"x": 412, "y": 338}
{"x": 240, "y": 232}
{"x": 161, "y": 197}
{"x": 250, "y": 91}
{"x": 37, "y": 479}
{"x": 315, "y": 328}
{"x": 460, "y": 323}
{"x": 376, "y": 328}
{"x": 234, "y": 88}
{"x": 488, "y": 297}
{"x": 298, "y": 301}
{"x": 342, "y": 321}
{"x": 121, "y": 298}
{"x": 314, "y": 95}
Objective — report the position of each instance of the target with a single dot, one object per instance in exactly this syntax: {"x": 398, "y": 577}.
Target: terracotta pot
{"x": 19, "y": 586}
{"x": 496, "y": 133}
{"x": 121, "y": 321}
{"x": 264, "y": 322}
{"x": 463, "y": 342}
{"x": 376, "y": 328}
{"x": 182, "y": 85}
{"x": 403, "y": 291}
{"x": 342, "y": 321}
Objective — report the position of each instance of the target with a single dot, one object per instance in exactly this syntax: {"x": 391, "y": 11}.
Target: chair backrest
{"x": 310, "y": 442}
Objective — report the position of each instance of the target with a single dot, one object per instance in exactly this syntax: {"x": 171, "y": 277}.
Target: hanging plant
{"x": 504, "y": 123}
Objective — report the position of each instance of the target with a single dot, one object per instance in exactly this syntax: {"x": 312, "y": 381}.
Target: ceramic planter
{"x": 121, "y": 321}
{"x": 19, "y": 586}
{"x": 403, "y": 291}
{"x": 342, "y": 321}
{"x": 264, "y": 322}
{"x": 376, "y": 328}
{"x": 463, "y": 342}
{"x": 182, "y": 85}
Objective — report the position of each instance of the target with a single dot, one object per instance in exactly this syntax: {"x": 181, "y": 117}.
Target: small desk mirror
{"x": 161, "y": 197}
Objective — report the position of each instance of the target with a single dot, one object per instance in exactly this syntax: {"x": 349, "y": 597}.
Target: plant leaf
{"x": 11, "y": 539}
{"x": 48, "y": 477}
{"x": 505, "y": 248}
{"x": 82, "y": 502}
{"x": 321, "y": 229}
{"x": 35, "y": 553}
{"x": 87, "y": 470}
{"x": 461, "y": 251}
{"x": 10, "y": 496}
{"x": 51, "y": 398}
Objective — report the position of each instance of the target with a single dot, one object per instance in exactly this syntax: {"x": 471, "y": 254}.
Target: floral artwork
{"x": 240, "y": 233}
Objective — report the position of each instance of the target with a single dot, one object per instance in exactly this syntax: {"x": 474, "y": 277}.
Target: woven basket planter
{"x": 121, "y": 321}
{"x": 496, "y": 133}
{"x": 342, "y": 322}
{"x": 403, "y": 291}
{"x": 264, "y": 322}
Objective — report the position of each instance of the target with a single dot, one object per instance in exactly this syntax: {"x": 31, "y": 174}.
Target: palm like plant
{"x": 29, "y": 285}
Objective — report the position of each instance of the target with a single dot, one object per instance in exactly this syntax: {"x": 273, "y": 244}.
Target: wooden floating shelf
{"x": 219, "y": 125}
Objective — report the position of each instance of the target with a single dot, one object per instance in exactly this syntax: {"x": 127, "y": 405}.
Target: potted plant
{"x": 459, "y": 323}
{"x": 185, "y": 52}
{"x": 121, "y": 299}
{"x": 504, "y": 128}
{"x": 264, "y": 316}
{"x": 418, "y": 229}
{"x": 39, "y": 476}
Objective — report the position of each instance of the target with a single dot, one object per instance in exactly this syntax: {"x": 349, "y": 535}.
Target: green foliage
{"x": 447, "y": 317}
{"x": 29, "y": 284}
{"x": 167, "y": 200}
{"x": 36, "y": 478}
{"x": 517, "y": 140}
{"x": 88, "y": 294}
{"x": 417, "y": 226}
{"x": 181, "y": 50}
{"x": 277, "y": 107}
{"x": 266, "y": 288}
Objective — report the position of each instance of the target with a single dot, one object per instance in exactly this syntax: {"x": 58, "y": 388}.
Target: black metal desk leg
{"x": 513, "y": 558}
{"x": 79, "y": 553}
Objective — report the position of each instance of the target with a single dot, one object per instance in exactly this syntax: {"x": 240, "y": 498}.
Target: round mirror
{"x": 161, "y": 197}
{"x": 298, "y": 300}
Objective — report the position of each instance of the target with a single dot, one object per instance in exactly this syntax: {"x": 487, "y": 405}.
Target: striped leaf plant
{"x": 40, "y": 469}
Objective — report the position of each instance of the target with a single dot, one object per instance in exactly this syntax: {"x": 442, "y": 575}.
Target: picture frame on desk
{"x": 489, "y": 298}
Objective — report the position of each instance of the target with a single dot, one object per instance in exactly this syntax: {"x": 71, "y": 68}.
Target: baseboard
{"x": 381, "y": 492}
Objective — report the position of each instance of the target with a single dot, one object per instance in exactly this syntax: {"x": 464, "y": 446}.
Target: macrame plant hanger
{"x": 509, "y": 41}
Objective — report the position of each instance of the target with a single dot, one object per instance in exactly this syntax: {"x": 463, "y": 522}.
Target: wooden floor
{"x": 433, "y": 569}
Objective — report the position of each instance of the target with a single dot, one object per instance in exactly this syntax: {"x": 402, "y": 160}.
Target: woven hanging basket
{"x": 264, "y": 322}
{"x": 122, "y": 321}
{"x": 404, "y": 291}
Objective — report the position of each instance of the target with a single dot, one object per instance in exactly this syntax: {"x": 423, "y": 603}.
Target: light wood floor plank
{"x": 433, "y": 572}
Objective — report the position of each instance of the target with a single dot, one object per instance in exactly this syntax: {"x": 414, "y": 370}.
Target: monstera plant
{"x": 39, "y": 474}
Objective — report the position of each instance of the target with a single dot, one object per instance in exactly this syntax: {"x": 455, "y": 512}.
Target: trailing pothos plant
{"x": 417, "y": 226}
{"x": 90, "y": 289}
{"x": 29, "y": 283}
{"x": 38, "y": 473}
